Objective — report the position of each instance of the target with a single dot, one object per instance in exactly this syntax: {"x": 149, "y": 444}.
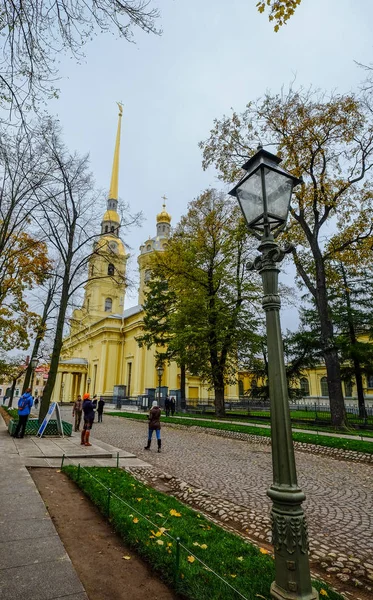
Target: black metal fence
{"x": 311, "y": 413}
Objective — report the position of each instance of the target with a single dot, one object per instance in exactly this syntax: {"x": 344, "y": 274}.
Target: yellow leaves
{"x": 203, "y": 546}
{"x": 323, "y": 592}
{"x": 160, "y": 515}
{"x": 160, "y": 542}
{"x": 135, "y": 520}
{"x": 169, "y": 544}
{"x": 233, "y": 575}
{"x": 191, "y": 559}
{"x": 158, "y": 534}
{"x": 138, "y": 499}
{"x": 240, "y": 558}
{"x": 263, "y": 551}
{"x": 174, "y": 513}
{"x": 126, "y": 557}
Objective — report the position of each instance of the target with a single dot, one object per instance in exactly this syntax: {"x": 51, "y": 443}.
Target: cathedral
{"x": 101, "y": 351}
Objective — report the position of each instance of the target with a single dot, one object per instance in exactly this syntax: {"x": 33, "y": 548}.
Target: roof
{"x": 74, "y": 361}
{"x": 132, "y": 311}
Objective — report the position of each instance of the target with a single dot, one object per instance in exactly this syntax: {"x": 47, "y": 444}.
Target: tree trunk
{"x": 10, "y": 403}
{"x": 219, "y": 394}
{"x": 353, "y": 340}
{"x": 38, "y": 340}
{"x": 57, "y": 346}
{"x": 330, "y": 352}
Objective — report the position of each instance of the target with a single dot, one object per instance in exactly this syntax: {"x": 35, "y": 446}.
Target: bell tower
{"x": 155, "y": 244}
{"x": 105, "y": 288}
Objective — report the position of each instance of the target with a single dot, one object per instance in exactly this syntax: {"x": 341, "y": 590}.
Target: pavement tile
{"x": 14, "y": 553}
{"x": 32, "y": 582}
{"x": 26, "y": 529}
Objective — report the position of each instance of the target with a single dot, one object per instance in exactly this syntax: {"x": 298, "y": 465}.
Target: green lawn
{"x": 307, "y": 438}
{"x": 212, "y": 560}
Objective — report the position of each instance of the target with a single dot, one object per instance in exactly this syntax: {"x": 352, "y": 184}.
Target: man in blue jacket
{"x": 24, "y": 408}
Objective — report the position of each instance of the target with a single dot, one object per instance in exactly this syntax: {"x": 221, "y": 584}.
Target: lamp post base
{"x": 278, "y": 593}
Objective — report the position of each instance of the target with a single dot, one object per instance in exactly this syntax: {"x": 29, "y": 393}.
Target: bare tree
{"x": 66, "y": 219}
{"x": 35, "y": 32}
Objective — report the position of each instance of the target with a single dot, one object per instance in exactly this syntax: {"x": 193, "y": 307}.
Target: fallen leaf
{"x": 203, "y": 546}
{"x": 135, "y": 520}
{"x": 174, "y": 513}
{"x": 126, "y": 557}
{"x": 195, "y": 544}
{"x": 160, "y": 542}
{"x": 138, "y": 499}
{"x": 240, "y": 558}
{"x": 191, "y": 559}
{"x": 233, "y": 576}
{"x": 263, "y": 551}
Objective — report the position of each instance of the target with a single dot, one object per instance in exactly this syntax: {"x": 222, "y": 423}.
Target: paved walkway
{"x": 339, "y": 504}
{"x": 33, "y": 562}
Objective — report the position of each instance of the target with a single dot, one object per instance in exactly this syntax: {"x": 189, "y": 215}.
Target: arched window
{"x": 305, "y": 386}
{"x": 148, "y": 247}
{"x": 240, "y": 387}
{"x": 348, "y": 389}
{"x": 110, "y": 269}
{"x": 106, "y": 228}
{"x": 112, "y": 229}
{"x": 108, "y": 304}
{"x": 324, "y": 386}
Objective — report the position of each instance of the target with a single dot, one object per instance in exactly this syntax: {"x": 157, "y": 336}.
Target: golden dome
{"x": 111, "y": 215}
{"x": 164, "y": 217}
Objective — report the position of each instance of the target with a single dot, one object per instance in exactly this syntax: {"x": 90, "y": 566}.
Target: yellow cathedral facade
{"x": 101, "y": 351}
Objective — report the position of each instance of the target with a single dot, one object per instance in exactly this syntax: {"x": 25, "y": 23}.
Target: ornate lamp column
{"x": 264, "y": 195}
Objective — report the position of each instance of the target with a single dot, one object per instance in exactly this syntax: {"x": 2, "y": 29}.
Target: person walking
{"x": 172, "y": 405}
{"x": 24, "y": 408}
{"x": 77, "y": 412}
{"x": 89, "y": 415}
{"x": 100, "y": 409}
{"x": 154, "y": 425}
{"x": 167, "y": 406}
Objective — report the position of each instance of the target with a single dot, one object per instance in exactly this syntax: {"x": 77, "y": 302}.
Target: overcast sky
{"x": 212, "y": 55}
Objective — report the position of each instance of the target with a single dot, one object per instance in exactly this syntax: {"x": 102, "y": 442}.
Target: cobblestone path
{"x": 339, "y": 504}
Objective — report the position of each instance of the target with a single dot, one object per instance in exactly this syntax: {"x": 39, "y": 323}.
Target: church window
{"x": 370, "y": 381}
{"x": 240, "y": 388}
{"x": 305, "y": 386}
{"x": 110, "y": 269}
{"x": 163, "y": 227}
{"x": 106, "y": 228}
{"x": 108, "y": 304}
{"x": 112, "y": 228}
{"x": 348, "y": 389}
{"x": 324, "y": 386}
{"x": 148, "y": 247}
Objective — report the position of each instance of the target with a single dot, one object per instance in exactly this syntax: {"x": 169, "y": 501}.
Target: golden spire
{"x": 113, "y": 192}
{"x": 164, "y": 217}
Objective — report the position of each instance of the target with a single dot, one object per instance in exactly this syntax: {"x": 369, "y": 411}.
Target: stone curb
{"x": 348, "y": 569}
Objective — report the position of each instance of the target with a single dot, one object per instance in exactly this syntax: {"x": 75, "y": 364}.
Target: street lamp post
{"x": 264, "y": 195}
{"x": 160, "y": 371}
{"x": 34, "y": 364}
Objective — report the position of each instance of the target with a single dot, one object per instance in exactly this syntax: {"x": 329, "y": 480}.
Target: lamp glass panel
{"x": 250, "y": 197}
{"x": 278, "y": 190}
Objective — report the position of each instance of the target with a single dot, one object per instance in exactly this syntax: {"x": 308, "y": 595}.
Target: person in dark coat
{"x": 172, "y": 405}
{"x": 100, "y": 409}
{"x": 89, "y": 415}
{"x": 154, "y": 425}
{"x": 24, "y": 408}
{"x": 167, "y": 406}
